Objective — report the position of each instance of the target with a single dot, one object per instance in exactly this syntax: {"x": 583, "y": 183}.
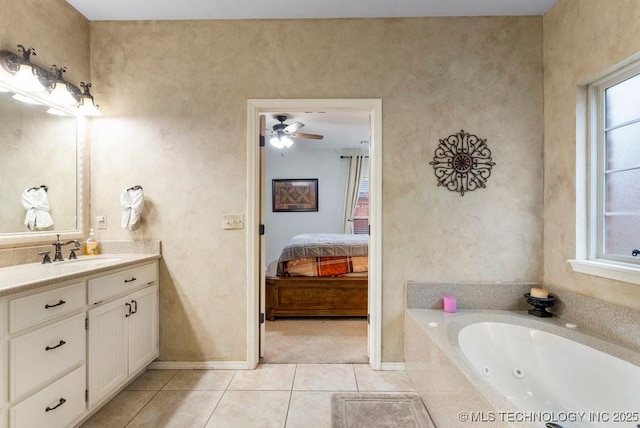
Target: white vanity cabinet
{"x": 69, "y": 345}
{"x": 47, "y": 356}
{"x": 123, "y": 329}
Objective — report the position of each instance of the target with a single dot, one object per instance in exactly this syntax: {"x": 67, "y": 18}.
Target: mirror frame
{"x": 21, "y": 239}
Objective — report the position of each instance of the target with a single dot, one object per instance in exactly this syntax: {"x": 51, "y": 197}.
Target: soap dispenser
{"x": 92, "y": 244}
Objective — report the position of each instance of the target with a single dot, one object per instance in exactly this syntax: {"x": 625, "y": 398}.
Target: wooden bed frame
{"x": 298, "y": 296}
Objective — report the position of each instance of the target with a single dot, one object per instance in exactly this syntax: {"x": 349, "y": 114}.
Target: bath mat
{"x": 367, "y": 410}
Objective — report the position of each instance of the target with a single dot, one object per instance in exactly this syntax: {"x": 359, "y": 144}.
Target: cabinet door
{"x": 107, "y": 357}
{"x": 143, "y": 328}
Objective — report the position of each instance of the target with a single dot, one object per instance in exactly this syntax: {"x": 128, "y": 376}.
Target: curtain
{"x": 354, "y": 173}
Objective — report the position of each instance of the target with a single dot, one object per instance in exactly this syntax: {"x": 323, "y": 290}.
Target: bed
{"x": 320, "y": 275}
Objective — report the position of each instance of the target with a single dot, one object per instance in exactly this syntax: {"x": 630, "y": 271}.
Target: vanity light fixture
{"x": 87, "y": 104}
{"x": 17, "y": 70}
{"x": 24, "y": 71}
{"x": 62, "y": 92}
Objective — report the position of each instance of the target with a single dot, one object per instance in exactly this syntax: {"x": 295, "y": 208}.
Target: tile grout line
{"x": 356, "y": 378}
{"x": 150, "y": 400}
{"x": 226, "y": 389}
{"x": 293, "y": 381}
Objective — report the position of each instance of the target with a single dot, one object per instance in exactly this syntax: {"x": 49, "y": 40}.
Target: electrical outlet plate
{"x": 233, "y": 221}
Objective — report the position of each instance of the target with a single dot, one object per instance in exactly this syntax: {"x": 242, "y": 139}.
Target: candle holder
{"x": 540, "y": 305}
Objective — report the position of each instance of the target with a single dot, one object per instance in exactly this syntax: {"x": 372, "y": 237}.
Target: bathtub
{"x": 503, "y": 368}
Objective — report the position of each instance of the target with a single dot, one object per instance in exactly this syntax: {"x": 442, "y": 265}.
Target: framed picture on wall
{"x": 295, "y": 195}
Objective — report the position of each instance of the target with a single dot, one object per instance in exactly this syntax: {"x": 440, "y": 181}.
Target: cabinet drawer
{"x": 57, "y": 405}
{"x": 109, "y": 286}
{"x": 40, "y": 356}
{"x": 31, "y": 310}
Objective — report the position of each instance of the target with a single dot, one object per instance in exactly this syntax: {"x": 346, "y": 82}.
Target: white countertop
{"x": 15, "y": 279}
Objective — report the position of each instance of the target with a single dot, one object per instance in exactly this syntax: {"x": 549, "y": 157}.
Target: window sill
{"x": 606, "y": 269}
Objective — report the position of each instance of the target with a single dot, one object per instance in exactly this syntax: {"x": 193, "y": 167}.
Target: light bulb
{"x": 26, "y": 79}
{"x": 61, "y": 95}
{"x": 286, "y": 141}
{"x": 88, "y": 108}
{"x": 275, "y": 142}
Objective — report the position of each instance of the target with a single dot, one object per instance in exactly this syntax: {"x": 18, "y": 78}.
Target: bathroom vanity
{"x": 73, "y": 334}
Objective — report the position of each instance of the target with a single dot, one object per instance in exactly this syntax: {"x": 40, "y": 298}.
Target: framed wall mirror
{"x": 39, "y": 148}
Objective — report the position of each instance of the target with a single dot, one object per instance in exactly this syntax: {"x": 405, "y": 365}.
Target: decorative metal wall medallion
{"x": 462, "y": 162}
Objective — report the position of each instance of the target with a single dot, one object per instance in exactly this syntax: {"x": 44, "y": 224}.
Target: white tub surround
{"x": 551, "y": 380}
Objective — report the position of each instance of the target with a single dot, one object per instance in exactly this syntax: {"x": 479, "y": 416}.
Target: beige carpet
{"x": 316, "y": 340}
{"x": 366, "y": 410}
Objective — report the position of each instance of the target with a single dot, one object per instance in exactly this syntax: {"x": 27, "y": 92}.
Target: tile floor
{"x": 273, "y": 395}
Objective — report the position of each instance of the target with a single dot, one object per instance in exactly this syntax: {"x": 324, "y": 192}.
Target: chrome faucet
{"x": 58, "y": 254}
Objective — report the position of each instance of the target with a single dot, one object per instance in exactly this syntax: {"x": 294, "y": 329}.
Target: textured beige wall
{"x": 59, "y": 34}
{"x": 174, "y": 99}
{"x": 581, "y": 39}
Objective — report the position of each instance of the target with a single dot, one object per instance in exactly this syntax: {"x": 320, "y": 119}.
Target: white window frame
{"x": 590, "y": 134}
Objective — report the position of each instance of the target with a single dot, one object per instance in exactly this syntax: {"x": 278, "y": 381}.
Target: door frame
{"x": 255, "y": 107}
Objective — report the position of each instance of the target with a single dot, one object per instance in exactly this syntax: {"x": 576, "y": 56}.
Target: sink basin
{"x": 92, "y": 259}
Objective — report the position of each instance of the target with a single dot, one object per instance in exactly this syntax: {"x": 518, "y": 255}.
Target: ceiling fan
{"x": 282, "y": 134}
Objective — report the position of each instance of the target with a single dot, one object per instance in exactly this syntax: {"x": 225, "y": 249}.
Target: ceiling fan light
{"x": 275, "y": 142}
{"x": 286, "y": 141}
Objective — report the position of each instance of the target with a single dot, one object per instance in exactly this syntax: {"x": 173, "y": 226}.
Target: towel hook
{"x": 46, "y": 189}
{"x": 136, "y": 187}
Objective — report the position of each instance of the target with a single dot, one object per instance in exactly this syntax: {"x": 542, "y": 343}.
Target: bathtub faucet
{"x": 635, "y": 252}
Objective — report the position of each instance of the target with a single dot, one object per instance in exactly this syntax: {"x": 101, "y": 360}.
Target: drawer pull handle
{"x": 129, "y": 306}
{"x": 135, "y": 306}
{"x": 61, "y": 302}
{"x": 133, "y": 278}
{"x": 60, "y": 403}
{"x": 49, "y": 348}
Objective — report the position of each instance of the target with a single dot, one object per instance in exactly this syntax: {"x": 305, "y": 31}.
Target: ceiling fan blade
{"x": 293, "y": 127}
{"x": 306, "y": 136}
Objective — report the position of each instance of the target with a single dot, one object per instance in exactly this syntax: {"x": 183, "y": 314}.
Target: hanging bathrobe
{"x": 132, "y": 201}
{"x": 36, "y": 203}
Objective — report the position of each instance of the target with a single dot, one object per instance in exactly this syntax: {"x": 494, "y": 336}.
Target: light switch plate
{"x": 101, "y": 219}
{"x": 233, "y": 221}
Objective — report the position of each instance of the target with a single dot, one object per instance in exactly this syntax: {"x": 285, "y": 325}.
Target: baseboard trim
{"x": 392, "y": 366}
{"x": 199, "y": 365}
{"x": 233, "y": 365}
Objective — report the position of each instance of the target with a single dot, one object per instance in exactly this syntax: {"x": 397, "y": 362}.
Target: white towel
{"x": 36, "y": 202}
{"x": 132, "y": 201}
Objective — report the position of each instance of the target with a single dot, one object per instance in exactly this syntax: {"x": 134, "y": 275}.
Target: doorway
{"x": 255, "y": 245}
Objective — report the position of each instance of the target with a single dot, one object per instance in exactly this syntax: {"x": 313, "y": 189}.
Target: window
{"x": 615, "y": 155}
{"x": 361, "y": 215}
{"x": 612, "y": 194}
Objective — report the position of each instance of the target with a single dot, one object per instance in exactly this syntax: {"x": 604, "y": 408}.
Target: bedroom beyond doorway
{"x": 260, "y": 192}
